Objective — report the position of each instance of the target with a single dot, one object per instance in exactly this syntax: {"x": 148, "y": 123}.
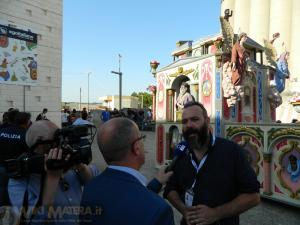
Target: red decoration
{"x": 160, "y": 144}
{"x": 151, "y": 88}
{"x": 277, "y": 190}
{"x": 226, "y": 110}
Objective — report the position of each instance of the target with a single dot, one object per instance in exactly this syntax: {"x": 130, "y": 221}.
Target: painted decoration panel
{"x": 260, "y": 96}
{"x": 286, "y": 167}
{"x": 251, "y": 139}
{"x": 233, "y": 112}
{"x": 161, "y": 97}
{"x": 218, "y": 124}
{"x": 206, "y": 85}
{"x": 18, "y": 56}
{"x": 160, "y": 144}
{"x": 218, "y": 86}
{"x": 226, "y": 110}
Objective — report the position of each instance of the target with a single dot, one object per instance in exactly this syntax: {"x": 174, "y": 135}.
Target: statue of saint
{"x": 282, "y": 71}
{"x": 184, "y": 96}
{"x": 238, "y": 59}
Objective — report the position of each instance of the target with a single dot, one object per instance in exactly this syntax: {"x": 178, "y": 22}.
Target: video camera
{"x": 75, "y": 141}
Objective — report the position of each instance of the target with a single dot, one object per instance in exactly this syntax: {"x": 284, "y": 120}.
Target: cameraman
{"x": 53, "y": 194}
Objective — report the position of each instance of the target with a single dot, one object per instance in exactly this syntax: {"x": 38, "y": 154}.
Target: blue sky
{"x": 96, "y": 31}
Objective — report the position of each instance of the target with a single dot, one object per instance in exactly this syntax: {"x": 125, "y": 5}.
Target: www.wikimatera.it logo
{"x": 10, "y": 215}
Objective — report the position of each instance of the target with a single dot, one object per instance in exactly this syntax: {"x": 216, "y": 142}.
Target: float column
{"x": 267, "y": 174}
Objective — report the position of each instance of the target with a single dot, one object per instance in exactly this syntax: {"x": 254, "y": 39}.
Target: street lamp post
{"x": 88, "y": 106}
{"x": 80, "y": 99}
{"x": 120, "y": 82}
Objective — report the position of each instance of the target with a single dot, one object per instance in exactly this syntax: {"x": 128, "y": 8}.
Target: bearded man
{"x": 212, "y": 181}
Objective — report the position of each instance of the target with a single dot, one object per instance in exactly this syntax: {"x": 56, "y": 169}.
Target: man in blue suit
{"x": 119, "y": 196}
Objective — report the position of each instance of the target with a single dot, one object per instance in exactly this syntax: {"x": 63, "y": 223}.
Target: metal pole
{"x": 120, "y": 84}
{"x": 80, "y": 100}
{"x": 88, "y": 106}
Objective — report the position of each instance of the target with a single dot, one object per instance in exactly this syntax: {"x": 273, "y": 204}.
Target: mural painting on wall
{"x": 206, "y": 85}
{"x": 251, "y": 140}
{"x": 18, "y": 56}
{"x": 160, "y": 95}
{"x": 286, "y": 149}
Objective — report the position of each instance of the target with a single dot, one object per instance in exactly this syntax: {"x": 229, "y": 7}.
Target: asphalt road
{"x": 266, "y": 213}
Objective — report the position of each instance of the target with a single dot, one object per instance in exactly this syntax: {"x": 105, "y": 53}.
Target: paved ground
{"x": 267, "y": 213}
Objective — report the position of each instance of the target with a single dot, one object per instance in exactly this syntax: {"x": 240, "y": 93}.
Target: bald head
{"x": 115, "y": 139}
{"x": 40, "y": 130}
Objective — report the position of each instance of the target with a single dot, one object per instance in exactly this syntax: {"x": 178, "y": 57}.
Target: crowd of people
{"x": 211, "y": 181}
{"x": 142, "y": 117}
{"x": 76, "y": 117}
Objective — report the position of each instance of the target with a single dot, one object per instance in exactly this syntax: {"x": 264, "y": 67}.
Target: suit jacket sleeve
{"x": 154, "y": 185}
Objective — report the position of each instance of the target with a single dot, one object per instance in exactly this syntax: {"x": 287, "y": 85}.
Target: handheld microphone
{"x": 180, "y": 149}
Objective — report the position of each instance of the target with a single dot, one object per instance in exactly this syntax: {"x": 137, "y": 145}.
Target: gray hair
{"x": 114, "y": 139}
{"x": 40, "y": 130}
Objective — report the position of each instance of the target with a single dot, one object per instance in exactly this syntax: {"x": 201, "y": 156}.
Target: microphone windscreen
{"x": 181, "y": 148}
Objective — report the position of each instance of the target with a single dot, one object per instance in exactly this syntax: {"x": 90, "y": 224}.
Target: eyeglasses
{"x": 142, "y": 137}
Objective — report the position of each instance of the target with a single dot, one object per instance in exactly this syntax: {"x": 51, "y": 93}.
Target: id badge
{"x": 189, "y": 196}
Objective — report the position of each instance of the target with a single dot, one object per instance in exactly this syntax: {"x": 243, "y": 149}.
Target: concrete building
{"x": 112, "y": 101}
{"x": 260, "y": 19}
{"x": 44, "y": 19}
{"x": 79, "y": 106}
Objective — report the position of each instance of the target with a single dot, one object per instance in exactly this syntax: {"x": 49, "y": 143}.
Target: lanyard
{"x": 201, "y": 162}
{"x": 197, "y": 167}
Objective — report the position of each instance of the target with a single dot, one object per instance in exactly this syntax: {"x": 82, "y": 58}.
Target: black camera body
{"x": 75, "y": 142}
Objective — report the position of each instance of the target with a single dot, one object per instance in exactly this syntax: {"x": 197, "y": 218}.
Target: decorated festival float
{"x": 240, "y": 82}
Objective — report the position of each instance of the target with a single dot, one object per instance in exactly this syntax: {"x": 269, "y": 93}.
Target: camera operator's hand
{"x": 52, "y": 177}
{"x": 55, "y": 154}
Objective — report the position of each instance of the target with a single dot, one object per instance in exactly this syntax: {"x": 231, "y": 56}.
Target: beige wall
{"x": 43, "y": 17}
{"x": 260, "y": 20}
{"x": 295, "y": 45}
{"x": 127, "y": 101}
{"x": 241, "y": 16}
